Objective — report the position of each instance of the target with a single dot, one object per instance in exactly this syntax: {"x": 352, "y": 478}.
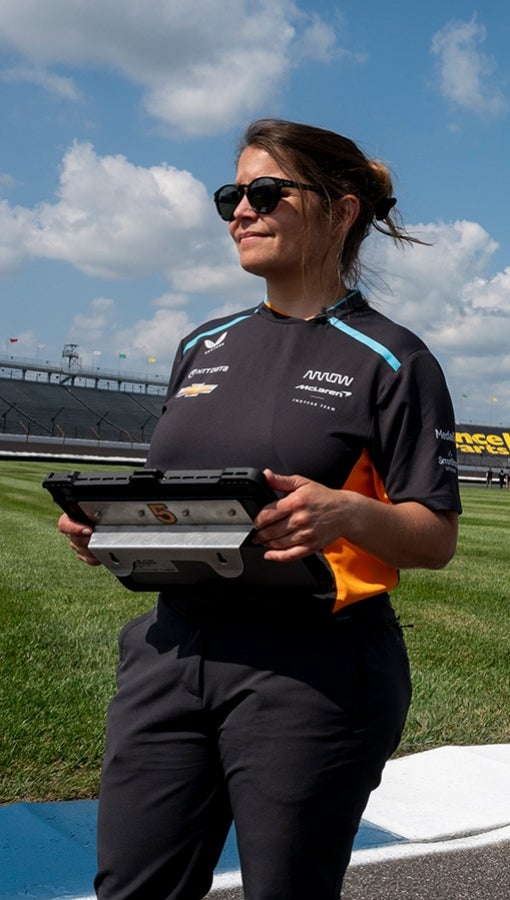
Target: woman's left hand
{"x": 303, "y": 521}
{"x": 310, "y": 516}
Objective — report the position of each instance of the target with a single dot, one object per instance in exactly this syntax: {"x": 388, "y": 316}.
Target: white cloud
{"x": 100, "y": 329}
{"x": 465, "y": 73}
{"x": 443, "y": 293}
{"x": 156, "y": 337}
{"x": 55, "y": 84}
{"x": 431, "y": 284}
{"x": 92, "y": 324}
{"x": 318, "y": 42}
{"x": 117, "y": 220}
{"x": 201, "y": 66}
{"x": 15, "y": 226}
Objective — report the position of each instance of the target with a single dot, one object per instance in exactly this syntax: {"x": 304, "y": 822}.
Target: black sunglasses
{"x": 264, "y": 195}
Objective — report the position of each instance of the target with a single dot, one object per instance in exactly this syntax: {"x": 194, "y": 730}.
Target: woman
{"x": 277, "y": 709}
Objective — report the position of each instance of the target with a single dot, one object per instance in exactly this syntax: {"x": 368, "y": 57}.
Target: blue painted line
{"x": 370, "y": 836}
{"x": 47, "y": 850}
{"x": 229, "y": 859}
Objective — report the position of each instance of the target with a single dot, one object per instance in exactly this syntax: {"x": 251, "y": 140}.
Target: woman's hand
{"x": 79, "y": 536}
{"x": 309, "y": 517}
{"x": 305, "y": 520}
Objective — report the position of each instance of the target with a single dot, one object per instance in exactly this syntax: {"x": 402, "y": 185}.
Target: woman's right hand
{"x": 79, "y": 536}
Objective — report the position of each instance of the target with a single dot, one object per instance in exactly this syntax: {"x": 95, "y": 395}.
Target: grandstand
{"x": 59, "y": 410}
{"x": 51, "y": 410}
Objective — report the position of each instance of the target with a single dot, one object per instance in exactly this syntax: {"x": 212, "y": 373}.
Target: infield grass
{"x": 58, "y": 641}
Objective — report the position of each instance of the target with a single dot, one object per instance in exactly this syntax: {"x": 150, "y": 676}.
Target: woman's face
{"x": 276, "y": 245}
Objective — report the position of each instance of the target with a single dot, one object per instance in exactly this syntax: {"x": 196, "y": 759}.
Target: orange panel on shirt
{"x": 358, "y": 574}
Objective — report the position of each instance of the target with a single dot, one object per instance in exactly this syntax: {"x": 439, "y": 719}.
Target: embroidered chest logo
{"x": 322, "y": 389}
{"x": 196, "y": 390}
{"x": 213, "y": 345}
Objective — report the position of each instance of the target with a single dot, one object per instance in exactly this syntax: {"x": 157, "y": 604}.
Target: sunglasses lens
{"x": 227, "y": 198}
{"x": 264, "y": 195}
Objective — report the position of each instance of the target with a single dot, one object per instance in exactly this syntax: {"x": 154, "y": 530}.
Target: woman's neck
{"x": 304, "y": 304}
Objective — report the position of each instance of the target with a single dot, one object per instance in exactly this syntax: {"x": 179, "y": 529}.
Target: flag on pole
{"x": 151, "y": 359}
{"x": 12, "y": 340}
{"x": 122, "y": 356}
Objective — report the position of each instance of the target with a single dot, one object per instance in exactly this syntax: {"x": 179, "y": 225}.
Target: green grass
{"x": 58, "y": 641}
{"x": 460, "y": 641}
{"x": 58, "y": 630}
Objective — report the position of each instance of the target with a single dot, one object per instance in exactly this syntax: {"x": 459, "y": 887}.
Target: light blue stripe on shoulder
{"x": 204, "y": 334}
{"x": 368, "y": 341}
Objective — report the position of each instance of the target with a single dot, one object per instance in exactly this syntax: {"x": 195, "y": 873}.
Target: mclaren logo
{"x": 195, "y": 390}
{"x": 212, "y": 345}
{"x": 318, "y": 391}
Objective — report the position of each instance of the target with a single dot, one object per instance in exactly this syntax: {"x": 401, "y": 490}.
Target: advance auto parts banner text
{"x": 478, "y": 439}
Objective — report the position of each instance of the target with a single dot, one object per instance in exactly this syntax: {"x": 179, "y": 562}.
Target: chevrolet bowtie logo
{"x": 194, "y": 390}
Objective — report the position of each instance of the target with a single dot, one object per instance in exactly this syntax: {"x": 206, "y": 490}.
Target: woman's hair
{"x": 337, "y": 166}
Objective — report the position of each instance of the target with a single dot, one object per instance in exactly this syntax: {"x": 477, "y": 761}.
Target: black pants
{"x": 282, "y": 722}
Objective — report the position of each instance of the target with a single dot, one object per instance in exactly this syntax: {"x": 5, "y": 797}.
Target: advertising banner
{"x": 475, "y": 441}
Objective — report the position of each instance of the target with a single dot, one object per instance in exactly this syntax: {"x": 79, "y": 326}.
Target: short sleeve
{"x": 413, "y": 436}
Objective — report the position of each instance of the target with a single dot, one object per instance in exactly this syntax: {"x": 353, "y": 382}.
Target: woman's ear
{"x": 346, "y": 211}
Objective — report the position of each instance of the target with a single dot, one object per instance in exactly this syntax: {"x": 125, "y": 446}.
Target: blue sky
{"x": 120, "y": 118}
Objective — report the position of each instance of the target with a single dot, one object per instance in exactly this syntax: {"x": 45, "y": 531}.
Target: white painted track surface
{"x": 449, "y": 791}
